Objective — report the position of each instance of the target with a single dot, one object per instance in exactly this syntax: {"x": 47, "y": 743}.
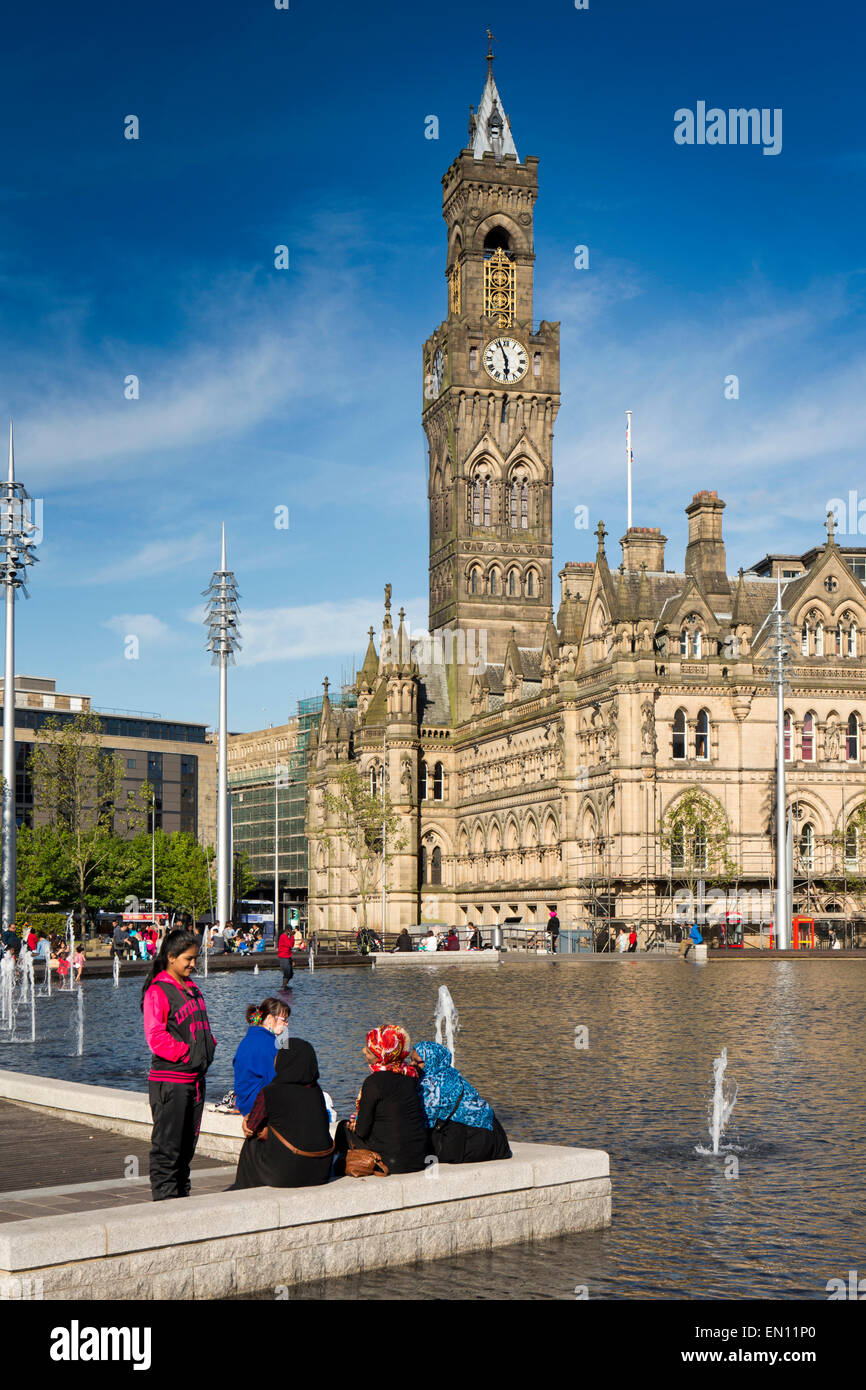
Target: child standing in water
{"x": 179, "y": 1036}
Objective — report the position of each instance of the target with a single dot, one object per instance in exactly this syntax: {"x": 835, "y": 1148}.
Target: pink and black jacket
{"x": 177, "y": 1031}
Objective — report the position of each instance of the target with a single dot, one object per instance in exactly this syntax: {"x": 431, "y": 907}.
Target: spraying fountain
{"x": 17, "y": 990}
{"x": 446, "y": 1019}
{"x": 723, "y": 1100}
{"x": 7, "y": 991}
{"x": 115, "y": 970}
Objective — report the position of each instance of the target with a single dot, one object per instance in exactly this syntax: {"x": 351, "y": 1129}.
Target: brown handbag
{"x": 365, "y": 1163}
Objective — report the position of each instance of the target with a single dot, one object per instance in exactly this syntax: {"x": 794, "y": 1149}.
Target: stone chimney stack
{"x": 644, "y": 545}
{"x": 705, "y": 552}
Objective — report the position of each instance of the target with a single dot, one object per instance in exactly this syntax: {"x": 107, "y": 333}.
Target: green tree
{"x": 77, "y": 789}
{"x": 359, "y": 817}
{"x": 186, "y": 875}
{"x": 42, "y": 876}
{"x": 694, "y": 831}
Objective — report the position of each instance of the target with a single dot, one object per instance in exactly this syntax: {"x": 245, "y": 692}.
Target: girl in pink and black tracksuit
{"x": 179, "y": 1036}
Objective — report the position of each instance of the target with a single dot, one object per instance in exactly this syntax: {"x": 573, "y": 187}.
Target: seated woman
{"x": 288, "y": 1140}
{"x": 452, "y": 940}
{"x": 463, "y": 1127}
{"x": 390, "y": 1119}
{"x": 254, "y": 1060}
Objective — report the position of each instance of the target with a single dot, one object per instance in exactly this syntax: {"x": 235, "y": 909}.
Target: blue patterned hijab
{"x": 440, "y": 1089}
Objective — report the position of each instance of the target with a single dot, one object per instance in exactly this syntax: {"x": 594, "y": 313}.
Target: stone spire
{"x": 403, "y": 653}
{"x": 326, "y": 721}
{"x": 738, "y": 606}
{"x": 370, "y": 669}
{"x": 489, "y": 127}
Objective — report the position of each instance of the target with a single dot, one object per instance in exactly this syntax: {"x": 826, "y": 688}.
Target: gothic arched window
{"x": 852, "y": 847}
{"x": 476, "y": 502}
{"x": 512, "y": 583}
{"x": 807, "y": 743}
{"x": 697, "y": 641}
{"x": 804, "y": 640}
{"x": 807, "y": 846}
{"x": 684, "y": 642}
{"x": 473, "y": 581}
{"x": 436, "y": 865}
{"x": 678, "y": 846}
{"x": 679, "y": 739}
{"x": 787, "y": 737}
{"x": 852, "y": 639}
{"x": 374, "y": 781}
{"x": 493, "y": 581}
{"x": 486, "y": 521}
{"x": 422, "y": 780}
{"x": 438, "y": 782}
{"x": 530, "y": 584}
{"x": 513, "y": 504}
{"x": 702, "y": 735}
{"x": 852, "y": 743}
{"x": 819, "y": 639}
{"x": 700, "y": 846}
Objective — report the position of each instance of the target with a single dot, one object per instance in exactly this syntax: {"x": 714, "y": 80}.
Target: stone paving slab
{"x": 43, "y": 1160}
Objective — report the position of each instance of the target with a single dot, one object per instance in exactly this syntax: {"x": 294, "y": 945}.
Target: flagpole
{"x": 628, "y": 466}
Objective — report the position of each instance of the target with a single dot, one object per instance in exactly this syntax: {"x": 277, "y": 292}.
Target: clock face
{"x": 505, "y": 359}
{"x": 437, "y": 370}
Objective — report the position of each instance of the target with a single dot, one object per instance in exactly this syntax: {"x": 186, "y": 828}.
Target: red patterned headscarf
{"x": 390, "y": 1045}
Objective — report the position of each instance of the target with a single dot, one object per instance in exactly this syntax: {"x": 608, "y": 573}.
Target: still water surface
{"x": 682, "y": 1228}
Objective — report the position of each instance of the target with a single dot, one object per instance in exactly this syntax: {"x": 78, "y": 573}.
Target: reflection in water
{"x": 683, "y": 1227}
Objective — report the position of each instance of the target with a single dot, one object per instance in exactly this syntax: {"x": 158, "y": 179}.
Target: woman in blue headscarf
{"x": 463, "y": 1127}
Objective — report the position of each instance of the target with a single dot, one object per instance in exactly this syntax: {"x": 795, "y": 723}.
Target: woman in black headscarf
{"x": 289, "y": 1143}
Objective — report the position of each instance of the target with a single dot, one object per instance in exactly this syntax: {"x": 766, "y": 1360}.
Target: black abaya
{"x": 294, "y": 1107}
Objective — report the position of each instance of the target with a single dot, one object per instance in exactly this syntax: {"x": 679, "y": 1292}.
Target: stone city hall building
{"x": 534, "y": 762}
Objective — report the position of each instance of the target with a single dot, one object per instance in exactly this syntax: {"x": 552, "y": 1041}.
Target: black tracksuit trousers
{"x": 177, "y": 1110}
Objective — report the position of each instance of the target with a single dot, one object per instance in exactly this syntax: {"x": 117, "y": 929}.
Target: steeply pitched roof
{"x": 491, "y": 113}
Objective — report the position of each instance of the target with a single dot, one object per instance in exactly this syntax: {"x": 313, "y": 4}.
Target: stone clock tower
{"x": 491, "y": 395}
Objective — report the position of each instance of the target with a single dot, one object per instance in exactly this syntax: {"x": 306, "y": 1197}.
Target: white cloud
{"x": 155, "y": 558}
{"x": 145, "y": 626}
{"x": 317, "y": 629}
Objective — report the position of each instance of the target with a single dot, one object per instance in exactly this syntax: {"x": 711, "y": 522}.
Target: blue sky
{"x": 300, "y": 388}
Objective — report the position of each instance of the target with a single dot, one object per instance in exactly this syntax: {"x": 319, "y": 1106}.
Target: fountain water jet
{"x": 446, "y": 1019}
{"x": 7, "y": 991}
{"x": 723, "y": 1100}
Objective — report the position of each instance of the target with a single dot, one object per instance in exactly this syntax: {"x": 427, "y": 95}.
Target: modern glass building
{"x": 174, "y": 757}
{"x": 268, "y": 770}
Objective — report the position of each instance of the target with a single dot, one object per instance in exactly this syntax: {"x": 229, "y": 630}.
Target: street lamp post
{"x": 16, "y": 543}
{"x": 222, "y": 641}
{"x": 781, "y": 648}
{"x": 276, "y": 845}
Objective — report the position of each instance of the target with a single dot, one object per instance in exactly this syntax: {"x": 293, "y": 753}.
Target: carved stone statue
{"x": 648, "y": 729}
{"x": 406, "y": 776}
{"x": 612, "y": 730}
{"x": 833, "y": 741}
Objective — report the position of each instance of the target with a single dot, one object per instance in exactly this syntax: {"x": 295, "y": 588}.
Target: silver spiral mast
{"x": 221, "y": 620}
{"x": 17, "y": 539}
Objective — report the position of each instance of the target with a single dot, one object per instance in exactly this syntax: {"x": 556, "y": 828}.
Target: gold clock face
{"x": 505, "y": 360}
